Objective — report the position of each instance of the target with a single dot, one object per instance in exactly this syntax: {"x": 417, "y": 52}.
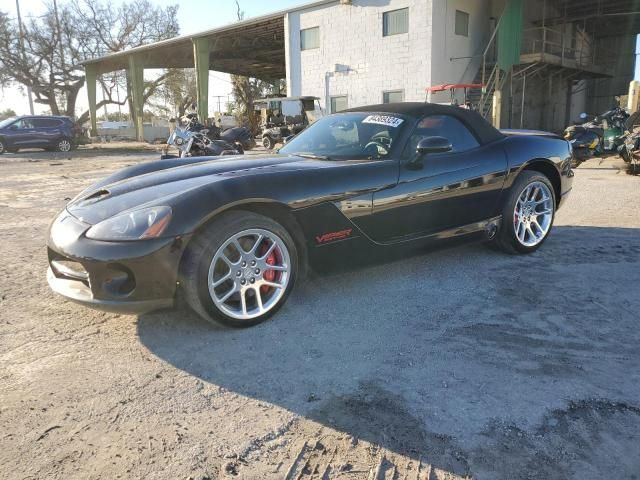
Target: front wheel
{"x": 2, "y": 147}
{"x": 528, "y": 214}
{"x": 267, "y": 142}
{"x": 240, "y": 269}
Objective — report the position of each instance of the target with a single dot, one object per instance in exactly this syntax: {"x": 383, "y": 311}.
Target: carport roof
{"x": 253, "y": 47}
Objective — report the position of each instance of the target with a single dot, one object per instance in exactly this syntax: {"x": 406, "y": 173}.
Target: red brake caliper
{"x": 269, "y": 275}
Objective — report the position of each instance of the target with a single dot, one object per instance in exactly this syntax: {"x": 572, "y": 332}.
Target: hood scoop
{"x": 103, "y": 192}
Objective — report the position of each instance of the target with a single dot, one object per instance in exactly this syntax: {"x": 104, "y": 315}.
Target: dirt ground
{"x": 461, "y": 363}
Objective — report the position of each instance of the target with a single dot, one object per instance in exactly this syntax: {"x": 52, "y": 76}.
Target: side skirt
{"x": 361, "y": 250}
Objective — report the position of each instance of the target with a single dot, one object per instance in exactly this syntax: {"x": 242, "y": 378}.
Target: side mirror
{"x": 13, "y": 127}
{"x": 433, "y": 145}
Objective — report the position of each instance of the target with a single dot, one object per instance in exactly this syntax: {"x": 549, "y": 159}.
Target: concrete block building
{"x": 372, "y": 51}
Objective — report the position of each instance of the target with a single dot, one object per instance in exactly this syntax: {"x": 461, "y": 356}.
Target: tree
{"x": 177, "y": 93}
{"x": 6, "y": 113}
{"x": 59, "y": 40}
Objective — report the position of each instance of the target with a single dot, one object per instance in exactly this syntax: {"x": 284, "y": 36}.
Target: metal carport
{"x": 254, "y": 47}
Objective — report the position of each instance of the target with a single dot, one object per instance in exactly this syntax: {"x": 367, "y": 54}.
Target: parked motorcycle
{"x": 191, "y": 138}
{"x": 235, "y": 135}
{"x": 595, "y": 136}
{"x": 239, "y": 136}
{"x": 630, "y": 149}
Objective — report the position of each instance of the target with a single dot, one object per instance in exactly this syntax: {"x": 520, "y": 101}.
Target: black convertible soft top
{"x": 485, "y": 132}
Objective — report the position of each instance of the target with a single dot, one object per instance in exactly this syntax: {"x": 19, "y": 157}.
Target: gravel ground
{"x": 461, "y": 363}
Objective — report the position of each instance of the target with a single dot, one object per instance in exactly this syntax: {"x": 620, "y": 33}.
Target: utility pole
{"x": 62, "y": 63}
{"x": 23, "y": 56}
{"x": 218, "y": 97}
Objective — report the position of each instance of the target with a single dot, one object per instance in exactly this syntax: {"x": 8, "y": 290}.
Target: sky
{"x": 193, "y": 16}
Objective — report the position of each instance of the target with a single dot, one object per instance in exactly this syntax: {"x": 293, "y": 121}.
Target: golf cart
{"x": 282, "y": 117}
{"x": 452, "y": 87}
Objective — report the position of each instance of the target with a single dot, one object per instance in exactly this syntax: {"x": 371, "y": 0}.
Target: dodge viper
{"x": 231, "y": 235}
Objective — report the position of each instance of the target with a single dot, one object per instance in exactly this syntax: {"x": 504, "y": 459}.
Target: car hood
{"x": 159, "y": 182}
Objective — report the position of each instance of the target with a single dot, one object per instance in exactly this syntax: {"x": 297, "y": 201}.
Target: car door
{"x": 23, "y": 133}
{"x": 440, "y": 191}
{"x": 46, "y": 131}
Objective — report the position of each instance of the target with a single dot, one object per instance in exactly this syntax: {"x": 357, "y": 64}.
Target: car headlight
{"x": 135, "y": 225}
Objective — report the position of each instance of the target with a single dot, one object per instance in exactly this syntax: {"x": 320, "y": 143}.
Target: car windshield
{"x": 7, "y": 121}
{"x": 347, "y": 136}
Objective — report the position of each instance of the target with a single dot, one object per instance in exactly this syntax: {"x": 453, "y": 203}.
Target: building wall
{"x": 351, "y": 42}
{"x": 354, "y": 59}
{"x": 601, "y": 92}
{"x": 448, "y": 63}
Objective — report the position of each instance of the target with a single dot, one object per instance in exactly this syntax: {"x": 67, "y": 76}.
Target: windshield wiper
{"x": 312, "y": 155}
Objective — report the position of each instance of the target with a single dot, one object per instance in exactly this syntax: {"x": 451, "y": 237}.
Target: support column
{"x": 201, "y": 50}
{"x": 568, "y": 101}
{"x": 136, "y": 80}
{"x": 497, "y": 102}
{"x": 91, "y": 77}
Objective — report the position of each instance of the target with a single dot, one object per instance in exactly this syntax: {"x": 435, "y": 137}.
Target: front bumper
{"x": 80, "y": 293}
{"x": 123, "y": 277}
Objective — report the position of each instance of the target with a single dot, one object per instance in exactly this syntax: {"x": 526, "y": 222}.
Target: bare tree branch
{"x": 54, "y": 50}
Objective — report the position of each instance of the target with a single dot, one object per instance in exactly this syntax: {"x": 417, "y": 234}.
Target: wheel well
{"x": 278, "y": 212}
{"x": 549, "y": 171}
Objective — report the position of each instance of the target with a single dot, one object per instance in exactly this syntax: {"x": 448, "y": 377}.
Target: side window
{"x": 24, "y": 123}
{"x": 310, "y": 38}
{"x": 395, "y": 22}
{"x": 441, "y": 126}
{"x": 393, "y": 96}
{"x": 462, "y": 23}
{"x": 45, "y": 122}
{"x": 339, "y": 103}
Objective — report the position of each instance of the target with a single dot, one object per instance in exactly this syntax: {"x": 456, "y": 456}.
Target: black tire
{"x": 633, "y": 120}
{"x": 3, "y": 147}
{"x": 267, "y": 142}
{"x": 506, "y": 239}
{"x": 200, "y": 253}
{"x": 62, "y": 143}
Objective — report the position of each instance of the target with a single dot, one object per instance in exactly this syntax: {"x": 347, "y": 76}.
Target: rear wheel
{"x": 64, "y": 145}
{"x": 240, "y": 269}
{"x": 528, "y": 214}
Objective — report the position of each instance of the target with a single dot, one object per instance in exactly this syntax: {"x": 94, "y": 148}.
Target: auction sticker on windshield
{"x": 387, "y": 120}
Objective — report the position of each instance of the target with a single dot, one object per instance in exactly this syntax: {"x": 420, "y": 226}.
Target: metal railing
{"x": 491, "y": 80}
{"x": 566, "y": 47}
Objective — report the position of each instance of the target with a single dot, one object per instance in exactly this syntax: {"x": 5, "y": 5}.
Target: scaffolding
{"x": 569, "y": 49}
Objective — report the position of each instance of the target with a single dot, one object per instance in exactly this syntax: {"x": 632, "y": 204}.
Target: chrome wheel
{"x": 64, "y": 145}
{"x": 533, "y": 214}
{"x": 1, "y": 147}
{"x": 249, "y": 274}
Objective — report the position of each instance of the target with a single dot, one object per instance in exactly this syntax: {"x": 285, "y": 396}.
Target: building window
{"x": 395, "y": 22}
{"x": 393, "y": 96}
{"x": 310, "y": 38}
{"x": 338, "y": 103}
{"x": 462, "y": 23}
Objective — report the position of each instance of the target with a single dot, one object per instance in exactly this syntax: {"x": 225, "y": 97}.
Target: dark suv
{"x": 48, "y": 132}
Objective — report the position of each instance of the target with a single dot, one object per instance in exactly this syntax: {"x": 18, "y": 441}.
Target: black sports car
{"x": 234, "y": 233}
